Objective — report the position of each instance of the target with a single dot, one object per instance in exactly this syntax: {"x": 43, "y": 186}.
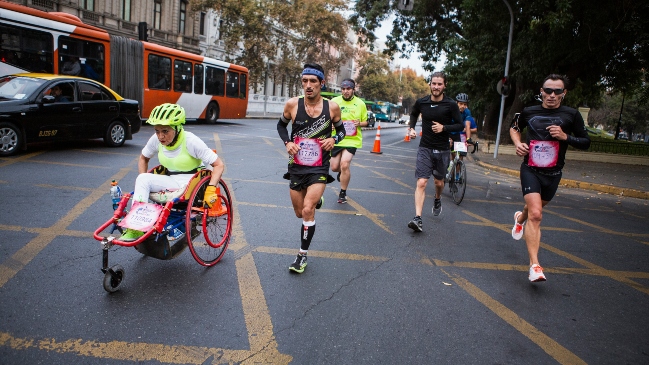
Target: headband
{"x": 313, "y": 71}
{"x": 348, "y": 83}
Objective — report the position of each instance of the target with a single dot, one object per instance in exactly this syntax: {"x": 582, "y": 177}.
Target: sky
{"x": 414, "y": 62}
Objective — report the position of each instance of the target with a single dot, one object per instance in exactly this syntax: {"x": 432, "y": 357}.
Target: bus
{"x": 152, "y": 74}
{"x": 386, "y": 111}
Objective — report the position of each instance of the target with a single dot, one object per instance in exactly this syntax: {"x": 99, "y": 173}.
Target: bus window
{"x": 214, "y": 81}
{"x": 88, "y": 57}
{"x": 182, "y": 76}
{"x": 26, "y": 48}
{"x": 232, "y": 85}
{"x": 198, "y": 79}
{"x": 159, "y": 72}
{"x": 242, "y": 87}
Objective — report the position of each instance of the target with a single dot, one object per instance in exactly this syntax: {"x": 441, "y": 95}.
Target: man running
{"x": 439, "y": 116}
{"x": 354, "y": 116}
{"x": 549, "y": 126}
{"x": 308, "y": 148}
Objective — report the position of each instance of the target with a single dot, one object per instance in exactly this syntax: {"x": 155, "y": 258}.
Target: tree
{"x": 597, "y": 47}
{"x": 285, "y": 34}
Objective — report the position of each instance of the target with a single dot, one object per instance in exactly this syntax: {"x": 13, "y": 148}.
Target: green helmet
{"x": 167, "y": 114}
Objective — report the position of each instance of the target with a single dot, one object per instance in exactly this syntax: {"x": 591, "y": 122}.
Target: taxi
{"x": 44, "y": 107}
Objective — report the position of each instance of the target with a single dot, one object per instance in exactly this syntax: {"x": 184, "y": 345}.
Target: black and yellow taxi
{"x": 45, "y": 107}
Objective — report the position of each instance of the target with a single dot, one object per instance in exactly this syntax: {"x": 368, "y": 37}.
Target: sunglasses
{"x": 549, "y": 91}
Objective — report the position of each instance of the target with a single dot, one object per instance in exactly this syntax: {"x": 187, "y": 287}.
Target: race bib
{"x": 350, "y": 128}
{"x": 543, "y": 153}
{"x": 459, "y": 146}
{"x": 142, "y": 216}
{"x": 310, "y": 153}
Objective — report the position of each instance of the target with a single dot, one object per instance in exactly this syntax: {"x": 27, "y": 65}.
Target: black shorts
{"x": 337, "y": 150}
{"x": 432, "y": 162}
{"x": 533, "y": 181}
{"x": 299, "y": 182}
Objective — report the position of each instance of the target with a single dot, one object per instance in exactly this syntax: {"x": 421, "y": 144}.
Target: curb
{"x": 608, "y": 189}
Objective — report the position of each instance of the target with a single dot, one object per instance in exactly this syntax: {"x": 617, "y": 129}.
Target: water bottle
{"x": 115, "y": 193}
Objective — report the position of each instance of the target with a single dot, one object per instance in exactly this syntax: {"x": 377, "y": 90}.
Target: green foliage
{"x": 284, "y": 34}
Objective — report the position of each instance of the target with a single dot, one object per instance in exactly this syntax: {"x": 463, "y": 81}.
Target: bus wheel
{"x": 212, "y": 113}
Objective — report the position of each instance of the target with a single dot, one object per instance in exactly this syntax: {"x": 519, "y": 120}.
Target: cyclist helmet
{"x": 462, "y": 97}
{"x": 167, "y": 114}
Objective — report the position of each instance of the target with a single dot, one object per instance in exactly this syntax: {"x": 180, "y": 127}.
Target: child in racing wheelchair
{"x": 182, "y": 153}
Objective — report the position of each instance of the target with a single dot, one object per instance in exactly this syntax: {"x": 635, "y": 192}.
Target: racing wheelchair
{"x": 174, "y": 221}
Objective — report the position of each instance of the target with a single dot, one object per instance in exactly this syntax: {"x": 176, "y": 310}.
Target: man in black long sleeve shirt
{"x": 548, "y": 135}
{"x": 439, "y": 116}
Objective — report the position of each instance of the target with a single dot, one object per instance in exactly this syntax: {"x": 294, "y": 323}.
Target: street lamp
{"x": 503, "y": 96}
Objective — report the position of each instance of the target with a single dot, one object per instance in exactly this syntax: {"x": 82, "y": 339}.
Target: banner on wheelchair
{"x": 142, "y": 216}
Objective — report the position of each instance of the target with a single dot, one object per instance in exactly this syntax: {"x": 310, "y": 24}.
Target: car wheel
{"x": 10, "y": 139}
{"x": 212, "y": 113}
{"x": 116, "y": 134}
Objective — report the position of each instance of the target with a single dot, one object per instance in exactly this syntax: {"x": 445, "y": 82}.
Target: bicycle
{"x": 457, "y": 180}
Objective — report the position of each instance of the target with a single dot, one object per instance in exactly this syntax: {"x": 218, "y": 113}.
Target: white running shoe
{"x": 536, "y": 273}
{"x": 517, "y": 230}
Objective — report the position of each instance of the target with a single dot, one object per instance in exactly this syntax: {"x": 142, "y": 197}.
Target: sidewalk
{"x": 612, "y": 177}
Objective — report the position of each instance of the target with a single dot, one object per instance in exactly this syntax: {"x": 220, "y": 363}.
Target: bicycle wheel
{"x": 460, "y": 184}
{"x": 209, "y": 236}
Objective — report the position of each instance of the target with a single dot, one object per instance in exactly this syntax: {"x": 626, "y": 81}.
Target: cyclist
{"x": 549, "y": 126}
{"x": 354, "y": 116}
{"x": 439, "y": 116}
{"x": 181, "y": 152}
{"x": 462, "y": 100}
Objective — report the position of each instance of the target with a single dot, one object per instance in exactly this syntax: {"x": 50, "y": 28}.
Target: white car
{"x": 405, "y": 119}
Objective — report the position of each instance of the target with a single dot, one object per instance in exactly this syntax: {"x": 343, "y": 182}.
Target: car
{"x": 371, "y": 119}
{"x": 405, "y": 119}
{"x": 45, "y": 107}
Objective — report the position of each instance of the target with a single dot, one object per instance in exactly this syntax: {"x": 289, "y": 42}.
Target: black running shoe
{"x": 437, "y": 209}
{"x": 299, "y": 264}
{"x": 320, "y": 202}
{"x": 415, "y": 224}
{"x": 342, "y": 198}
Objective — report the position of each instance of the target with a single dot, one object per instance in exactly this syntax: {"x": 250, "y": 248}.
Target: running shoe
{"x": 437, "y": 208}
{"x": 342, "y": 198}
{"x": 338, "y": 177}
{"x": 416, "y": 224}
{"x": 299, "y": 264}
{"x": 517, "y": 230}
{"x": 320, "y": 202}
{"x": 536, "y": 273}
{"x": 131, "y": 235}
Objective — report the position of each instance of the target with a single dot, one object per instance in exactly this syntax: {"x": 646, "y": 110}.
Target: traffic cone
{"x": 421, "y": 132}
{"x": 377, "y": 141}
{"x": 407, "y": 137}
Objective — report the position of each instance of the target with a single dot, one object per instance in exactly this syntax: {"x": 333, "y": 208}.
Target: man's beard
{"x": 350, "y": 98}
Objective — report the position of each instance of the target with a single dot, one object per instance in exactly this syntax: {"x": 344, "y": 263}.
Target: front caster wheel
{"x": 113, "y": 278}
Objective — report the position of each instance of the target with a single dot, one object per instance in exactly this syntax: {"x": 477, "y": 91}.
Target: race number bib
{"x": 543, "y": 153}
{"x": 142, "y": 216}
{"x": 350, "y": 128}
{"x": 310, "y": 153}
{"x": 459, "y": 146}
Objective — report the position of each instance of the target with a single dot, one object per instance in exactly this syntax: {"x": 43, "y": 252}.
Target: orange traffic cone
{"x": 421, "y": 132}
{"x": 218, "y": 208}
{"x": 407, "y": 137}
{"x": 377, "y": 141}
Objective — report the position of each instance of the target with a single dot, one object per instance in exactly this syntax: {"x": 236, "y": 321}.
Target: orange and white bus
{"x": 39, "y": 41}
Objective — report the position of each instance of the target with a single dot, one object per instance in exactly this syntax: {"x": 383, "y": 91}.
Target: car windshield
{"x": 14, "y": 87}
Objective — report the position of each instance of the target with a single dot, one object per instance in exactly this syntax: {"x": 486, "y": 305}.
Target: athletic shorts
{"x": 337, "y": 150}
{"x": 299, "y": 182}
{"x": 533, "y": 181}
{"x": 432, "y": 162}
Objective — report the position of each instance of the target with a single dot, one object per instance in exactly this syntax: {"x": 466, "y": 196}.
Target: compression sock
{"x": 308, "y": 229}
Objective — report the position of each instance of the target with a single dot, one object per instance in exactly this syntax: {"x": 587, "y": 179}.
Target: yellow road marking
{"x": 63, "y": 187}
{"x": 550, "y": 346}
{"x": 70, "y": 164}
{"x": 599, "y": 228}
{"x": 505, "y": 227}
{"x": 323, "y": 254}
{"x": 360, "y": 209}
{"x": 10, "y": 161}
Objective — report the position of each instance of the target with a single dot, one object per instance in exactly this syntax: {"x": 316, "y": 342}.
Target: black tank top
{"x": 316, "y": 128}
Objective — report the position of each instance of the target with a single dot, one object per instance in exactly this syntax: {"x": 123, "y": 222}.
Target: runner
{"x": 308, "y": 148}
{"x": 549, "y": 126}
{"x": 439, "y": 116}
{"x": 354, "y": 116}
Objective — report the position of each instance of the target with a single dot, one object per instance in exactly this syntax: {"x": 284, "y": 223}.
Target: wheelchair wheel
{"x": 208, "y": 236}
{"x": 113, "y": 278}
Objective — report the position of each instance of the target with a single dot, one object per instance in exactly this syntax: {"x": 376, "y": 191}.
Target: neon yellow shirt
{"x": 350, "y": 111}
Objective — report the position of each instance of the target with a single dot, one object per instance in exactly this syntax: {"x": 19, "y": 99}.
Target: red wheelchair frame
{"x": 205, "y": 231}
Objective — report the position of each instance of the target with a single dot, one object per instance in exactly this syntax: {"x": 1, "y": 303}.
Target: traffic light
{"x": 405, "y": 4}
